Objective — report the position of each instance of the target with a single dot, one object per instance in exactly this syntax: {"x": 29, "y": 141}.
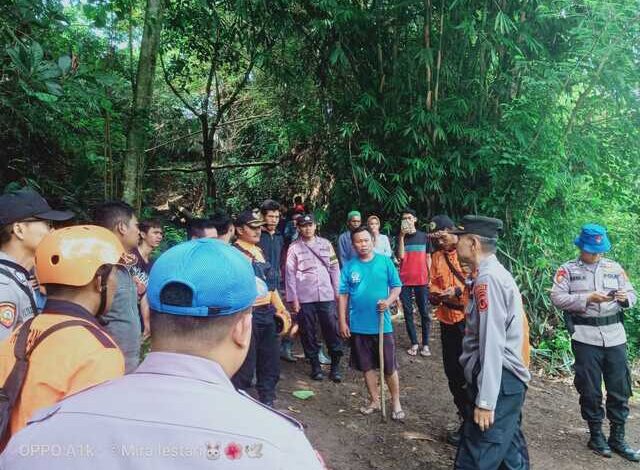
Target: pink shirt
{"x": 310, "y": 278}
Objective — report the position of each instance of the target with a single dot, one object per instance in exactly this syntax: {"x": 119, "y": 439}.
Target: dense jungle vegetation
{"x": 526, "y": 110}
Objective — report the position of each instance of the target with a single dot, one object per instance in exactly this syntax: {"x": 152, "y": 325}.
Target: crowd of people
{"x": 221, "y": 311}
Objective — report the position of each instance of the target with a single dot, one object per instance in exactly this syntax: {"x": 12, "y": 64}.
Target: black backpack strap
{"x": 100, "y": 335}
{"x": 15, "y": 381}
{"x": 28, "y": 292}
{"x": 308, "y": 248}
{"x": 246, "y": 252}
{"x": 453, "y": 269}
{"x": 15, "y": 266}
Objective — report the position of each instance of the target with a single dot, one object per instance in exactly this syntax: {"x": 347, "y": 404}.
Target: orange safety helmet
{"x": 71, "y": 256}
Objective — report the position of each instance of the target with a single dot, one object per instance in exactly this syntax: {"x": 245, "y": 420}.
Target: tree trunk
{"x": 137, "y": 133}
{"x": 207, "y": 153}
{"x": 427, "y": 45}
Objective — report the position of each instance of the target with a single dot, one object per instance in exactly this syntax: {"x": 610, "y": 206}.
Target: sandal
{"x": 413, "y": 351}
{"x": 367, "y": 410}
{"x": 399, "y": 415}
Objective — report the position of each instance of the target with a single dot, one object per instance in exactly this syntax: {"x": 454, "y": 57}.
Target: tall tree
{"x": 137, "y": 134}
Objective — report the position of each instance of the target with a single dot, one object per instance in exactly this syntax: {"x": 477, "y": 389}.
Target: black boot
{"x": 285, "y": 352}
{"x": 335, "y": 374}
{"x": 316, "y": 369}
{"x": 597, "y": 442}
{"x": 618, "y": 444}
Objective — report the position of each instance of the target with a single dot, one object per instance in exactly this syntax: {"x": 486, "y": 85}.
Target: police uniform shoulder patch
{"x": 481, "y": 297}
{"x": 561, "y": 275}
{"x": 7, "y": 314}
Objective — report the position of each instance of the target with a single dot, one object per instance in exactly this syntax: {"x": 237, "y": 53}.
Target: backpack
{"x": 12, "y": 387}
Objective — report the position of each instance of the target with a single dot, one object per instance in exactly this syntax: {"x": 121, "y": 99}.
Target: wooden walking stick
{"x": 383, "y": 407}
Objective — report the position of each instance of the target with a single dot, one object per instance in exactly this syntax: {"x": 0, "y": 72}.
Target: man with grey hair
{"x": 494, "y": 355}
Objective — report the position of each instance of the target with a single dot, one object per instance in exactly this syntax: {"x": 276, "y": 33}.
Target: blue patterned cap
{"x": 593, "y": 239}
{"x": 220, "y": 278}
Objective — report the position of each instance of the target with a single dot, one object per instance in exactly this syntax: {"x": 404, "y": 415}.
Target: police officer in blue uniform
{"x": 179, "y": 409}
{"x": 593, "y": 292}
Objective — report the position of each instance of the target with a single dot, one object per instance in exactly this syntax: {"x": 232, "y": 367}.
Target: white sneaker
{"x": 425, "y": 351}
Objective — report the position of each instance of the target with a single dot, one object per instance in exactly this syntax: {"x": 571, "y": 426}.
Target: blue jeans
{"x": 421, "y": 294}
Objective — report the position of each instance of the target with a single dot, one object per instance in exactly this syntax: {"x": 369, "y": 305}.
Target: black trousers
{"x": 451, "y": 336}
{"x": 323, "y": 314}
{"x": 592, "y": 365}
{"x": 502, "y": 446}
{"x": 263, "y": 358}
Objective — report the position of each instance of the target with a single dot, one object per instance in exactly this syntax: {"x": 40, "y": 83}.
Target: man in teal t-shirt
{"x": 369, "y": 284}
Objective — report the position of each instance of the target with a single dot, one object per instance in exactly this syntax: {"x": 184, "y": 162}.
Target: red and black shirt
{"x": 413, "y": 267}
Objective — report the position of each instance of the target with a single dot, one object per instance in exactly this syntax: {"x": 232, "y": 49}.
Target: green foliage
{"x": 527, "y": 111}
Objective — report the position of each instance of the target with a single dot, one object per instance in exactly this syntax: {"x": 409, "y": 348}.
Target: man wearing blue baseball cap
{"x": 179, "y": 409}
{"x": 593, "y": 291}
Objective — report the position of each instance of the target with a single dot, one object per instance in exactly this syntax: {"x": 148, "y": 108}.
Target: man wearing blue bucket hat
{"x": 179, "y": 409}
{"x": 593, "y": 291}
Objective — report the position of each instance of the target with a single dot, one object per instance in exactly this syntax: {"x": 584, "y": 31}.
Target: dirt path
{"x": 349, "y": 441}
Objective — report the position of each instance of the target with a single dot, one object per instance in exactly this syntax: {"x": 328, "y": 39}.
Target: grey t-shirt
{"x": 124, "y": 322}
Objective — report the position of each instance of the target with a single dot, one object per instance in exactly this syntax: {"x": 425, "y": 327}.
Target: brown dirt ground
{"x": 347, "y": 440}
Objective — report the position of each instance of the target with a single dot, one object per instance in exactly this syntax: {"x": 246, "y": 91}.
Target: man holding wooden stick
{"x": 369, "y": 284}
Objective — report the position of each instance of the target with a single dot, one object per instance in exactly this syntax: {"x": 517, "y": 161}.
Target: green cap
{"x": 353, "y": 214}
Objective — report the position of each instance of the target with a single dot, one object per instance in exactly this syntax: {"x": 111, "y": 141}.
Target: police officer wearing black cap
{"x": 494, "y": 355}
{"x": 25, "y": 218}
{"x": 263, "y": 359}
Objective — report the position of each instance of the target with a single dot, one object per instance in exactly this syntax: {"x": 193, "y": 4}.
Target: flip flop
{"x": 367, "y": 410}
{"x": 399, "y": 415}
{"x": 413, "y": 351}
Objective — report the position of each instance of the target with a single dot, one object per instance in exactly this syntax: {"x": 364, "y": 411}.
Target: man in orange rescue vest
{"x": 450, "y": 296}
{"x": 77, "y": 267}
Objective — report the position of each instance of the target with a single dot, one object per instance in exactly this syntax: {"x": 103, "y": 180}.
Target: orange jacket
{"x": 443, "y": 278}
{"x": 66, "y": 362}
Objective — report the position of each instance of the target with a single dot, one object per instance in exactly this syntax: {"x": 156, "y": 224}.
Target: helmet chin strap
{"x": 104, "y": 279}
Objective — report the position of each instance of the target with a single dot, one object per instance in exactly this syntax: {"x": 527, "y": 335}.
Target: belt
{"x": 599, "y": 321}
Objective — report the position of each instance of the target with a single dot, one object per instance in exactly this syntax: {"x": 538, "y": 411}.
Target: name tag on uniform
{"x": 610, "y": 281}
